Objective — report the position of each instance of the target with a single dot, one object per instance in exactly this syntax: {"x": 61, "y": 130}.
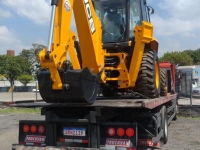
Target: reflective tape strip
{"x": 29, "y": 144}
{"x": 69, "y": 140}
{"x": 54, "y": 149}
{"x": 77, "y": 140}
{"x": 36, "y": 148}
{"x": 72, "y": 140}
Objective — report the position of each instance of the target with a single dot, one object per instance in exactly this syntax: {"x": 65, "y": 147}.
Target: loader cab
{"x": 119, "y": 17}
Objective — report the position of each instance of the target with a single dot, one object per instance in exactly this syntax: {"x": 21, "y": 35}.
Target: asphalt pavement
{"x": 19, "y": 96}
{"x": 189, "y": 101}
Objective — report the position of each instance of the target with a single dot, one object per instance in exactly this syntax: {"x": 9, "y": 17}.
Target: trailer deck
{"x": 120, "y": 102}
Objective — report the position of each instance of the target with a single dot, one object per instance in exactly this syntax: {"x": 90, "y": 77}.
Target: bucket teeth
{"x": 79, "y": 86}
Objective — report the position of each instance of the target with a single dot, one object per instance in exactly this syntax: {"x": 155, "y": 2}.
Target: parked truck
{"x": 115, "y": 94}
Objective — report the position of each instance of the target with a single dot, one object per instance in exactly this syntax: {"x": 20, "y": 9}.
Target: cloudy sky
{"x": 23, "y": 22}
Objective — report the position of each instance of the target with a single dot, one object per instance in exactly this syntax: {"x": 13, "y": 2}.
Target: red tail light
{"x": 33, "y": 129}
{"x": 130, "y": 132}
{"x": 41, "y": 129}
{"x": 25, "y": 128}
{"x": 120, "y": 132}
{"x": 111, "y": 131}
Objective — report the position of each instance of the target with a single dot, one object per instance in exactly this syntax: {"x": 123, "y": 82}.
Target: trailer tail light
{"x": 41, "y": 129}
{"x": 25, "y": 128}
{"x": 120, "y": 132}
{"x": 111, "y": 131}
{"x": 33, "y": 129}
{"x": 130, "y": 132}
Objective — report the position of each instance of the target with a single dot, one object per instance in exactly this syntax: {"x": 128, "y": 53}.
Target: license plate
{"x": 74, "y": 131}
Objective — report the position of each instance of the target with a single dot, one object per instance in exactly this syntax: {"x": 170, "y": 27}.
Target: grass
{"x": 189, "y": 116}
{"x": 20, "y": 110}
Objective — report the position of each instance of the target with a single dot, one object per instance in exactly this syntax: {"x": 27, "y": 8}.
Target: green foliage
{"x": 25, "y": 79}
{"x": 195, "y": 54}
{"x": 181, "y": 58}
{"x": 27, "y": 55}
{"x": 31, "y": 56}
{"x": 10, "y": 67}
{"x": 20, "y": 67}
{"x": 24, "y": 65}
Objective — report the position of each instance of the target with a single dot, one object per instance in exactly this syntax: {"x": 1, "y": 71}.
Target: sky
{"x": 23, "y": 22}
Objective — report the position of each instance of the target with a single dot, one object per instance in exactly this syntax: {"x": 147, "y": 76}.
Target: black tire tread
{"x": 164, "y": 119}
{"x": 163, "y": 82}
{"x": 146, "y": 77}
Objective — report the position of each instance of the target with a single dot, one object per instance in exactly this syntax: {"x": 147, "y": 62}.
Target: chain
{"x": 138, "y": 94}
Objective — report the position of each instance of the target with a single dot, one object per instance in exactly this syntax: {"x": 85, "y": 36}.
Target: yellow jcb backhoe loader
{"x": 114, "y": 50}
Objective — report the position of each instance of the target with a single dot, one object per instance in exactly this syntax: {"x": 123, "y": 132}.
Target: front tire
{"x": 148, "y": 81}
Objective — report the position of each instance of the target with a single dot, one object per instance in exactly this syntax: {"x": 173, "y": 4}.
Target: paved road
{"x": 187, "y": 101}
{"x": 19, "y": 96}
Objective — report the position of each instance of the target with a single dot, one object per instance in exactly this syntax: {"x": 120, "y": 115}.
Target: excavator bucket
{"x": 79, "y": 86}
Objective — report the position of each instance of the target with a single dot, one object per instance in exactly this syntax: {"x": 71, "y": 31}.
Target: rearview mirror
{"x": 150, "y": 9}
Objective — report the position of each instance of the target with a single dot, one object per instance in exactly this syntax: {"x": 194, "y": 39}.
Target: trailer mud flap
{"x": 79, "y": 86}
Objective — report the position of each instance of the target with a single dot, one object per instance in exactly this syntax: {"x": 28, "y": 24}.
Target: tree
{"x": 195, "y": 54}
{"x": 27, "y": 55}
{"x": 31, "y": 56}
{"x": 24, "y": 65}
{"x": 25, "y": 79}
{"x": 12, "y": 67}
{"x": 181, "y": 58}
{"x": 9, "y": 68}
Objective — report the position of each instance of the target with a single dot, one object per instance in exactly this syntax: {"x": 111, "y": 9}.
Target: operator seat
{"x": 113, "y": 25}
{"x": 114, "y": 16}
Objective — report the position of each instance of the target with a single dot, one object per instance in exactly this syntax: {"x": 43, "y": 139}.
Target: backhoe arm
{"x": 89, "y": 31}
{"x": 56, "y": 54}
{"x": 90, "y": 35}
{"x": 78, "y": 84}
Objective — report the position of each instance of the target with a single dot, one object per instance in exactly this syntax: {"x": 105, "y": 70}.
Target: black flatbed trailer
{"x": 148, "y": 119}
{"x": 123, "y": 102}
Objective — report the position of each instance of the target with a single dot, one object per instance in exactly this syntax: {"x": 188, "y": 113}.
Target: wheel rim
{"x": 156, "y": 74}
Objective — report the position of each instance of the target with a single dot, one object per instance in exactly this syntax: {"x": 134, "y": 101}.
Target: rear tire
{"x": 148, "y": 81}
{"x": 164, "y": 124}
{"x": 163, "y": 82}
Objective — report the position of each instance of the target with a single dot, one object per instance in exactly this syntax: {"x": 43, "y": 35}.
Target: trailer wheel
{"x": 175, "y": 118}
{"x": 175, "y": 111}
{"x": 163, "y": 82}
{"x": 148, "y": 81}
{"x": 164, "y": 124}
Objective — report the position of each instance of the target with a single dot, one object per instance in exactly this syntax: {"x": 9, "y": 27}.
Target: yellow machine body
{"x": 93, "y": 50}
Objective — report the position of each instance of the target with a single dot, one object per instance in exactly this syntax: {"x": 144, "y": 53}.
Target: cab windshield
{"x": 114, "y": 18}
{"x": 135, "y": 15}
{"x": 112, "y": 14}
